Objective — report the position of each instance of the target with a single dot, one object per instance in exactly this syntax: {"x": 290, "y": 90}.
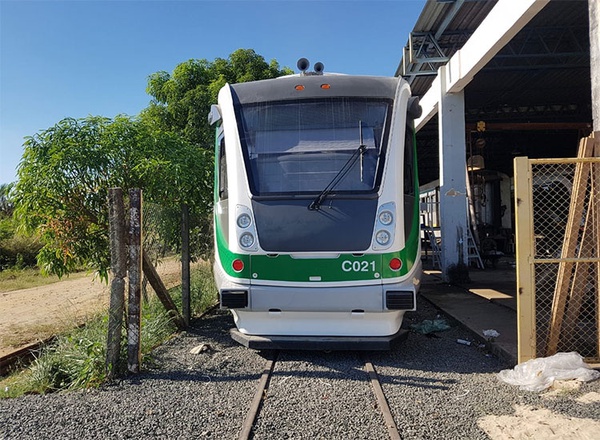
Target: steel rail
{"x": 21, "y": 356}
{"x": 24, "y": 355}
{"x": 382, "y": 402}
{"x": 259, "y": 397}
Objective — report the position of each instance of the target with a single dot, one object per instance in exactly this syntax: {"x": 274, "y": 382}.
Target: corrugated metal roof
{"x": 550, "y": 24}
{"x": 453, "y": 23}
{"x": 542, "y": 75}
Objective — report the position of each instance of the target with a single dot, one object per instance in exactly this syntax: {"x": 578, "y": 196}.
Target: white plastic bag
{"x": 539, "y": 374}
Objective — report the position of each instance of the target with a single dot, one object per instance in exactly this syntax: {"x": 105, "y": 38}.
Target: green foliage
{"x": 7, "y": 228}
{"x": 181, "y": 100}
{"x": 6, "y": 199}
{"x": 73, "y": 361}
{"x": 203, "y": 291}
{"x": 77, "y": 360}
{"x": 17, "y": 250}
{"x": 66, "y": 172}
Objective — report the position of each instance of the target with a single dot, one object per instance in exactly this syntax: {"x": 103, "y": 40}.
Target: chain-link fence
{"x": 558, "y": 248}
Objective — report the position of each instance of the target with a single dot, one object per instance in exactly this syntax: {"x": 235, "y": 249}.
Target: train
{"x": 316, "y": 219}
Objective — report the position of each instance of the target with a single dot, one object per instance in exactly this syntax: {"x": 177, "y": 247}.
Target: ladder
{"x": 435, "y": 246}
{"x": 472, "y": 251}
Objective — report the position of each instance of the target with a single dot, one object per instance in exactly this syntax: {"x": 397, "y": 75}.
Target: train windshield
{"x": 299, "y": 147}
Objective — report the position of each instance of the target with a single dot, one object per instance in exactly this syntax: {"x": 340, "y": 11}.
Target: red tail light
{"x": 395, "y": 264}
{"x": 237, "y": 265}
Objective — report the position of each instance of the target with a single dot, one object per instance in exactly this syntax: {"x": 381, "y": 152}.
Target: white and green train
{"x": 316, "y": 205}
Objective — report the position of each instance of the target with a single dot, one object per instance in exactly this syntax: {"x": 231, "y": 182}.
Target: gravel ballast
{"x": 436, "y": 389}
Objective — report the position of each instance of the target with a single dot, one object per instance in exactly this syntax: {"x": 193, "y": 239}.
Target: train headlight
{"x": 245, "y": 229}
{"x": 385, "y": 226}
{"x": 386, "y": 217}
{"x": 383, "y": 237}
{"x": 243, "y": 221}
{"x": 246, "y": 240}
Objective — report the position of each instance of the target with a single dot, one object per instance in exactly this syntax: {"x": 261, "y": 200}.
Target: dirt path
{"x": 30, "y": 315}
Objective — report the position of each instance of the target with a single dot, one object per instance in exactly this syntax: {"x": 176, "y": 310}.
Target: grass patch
{"x": 76, "y": 359}
{"x": 17, "y": 279}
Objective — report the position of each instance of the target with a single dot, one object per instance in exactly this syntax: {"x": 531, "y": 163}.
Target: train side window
{"x": 409, "y": 181}
{"x": 409, "y": 166}
{"x": 223, "y": 194}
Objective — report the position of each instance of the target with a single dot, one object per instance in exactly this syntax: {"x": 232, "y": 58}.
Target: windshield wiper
{"x": 316, "y": 203}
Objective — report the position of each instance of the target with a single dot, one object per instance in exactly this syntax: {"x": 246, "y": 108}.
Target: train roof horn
{"x": 303, "y": 65}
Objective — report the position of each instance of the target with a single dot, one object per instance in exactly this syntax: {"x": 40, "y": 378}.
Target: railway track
{"x": 262, "y": 389}
{"x": 22, "y": 356}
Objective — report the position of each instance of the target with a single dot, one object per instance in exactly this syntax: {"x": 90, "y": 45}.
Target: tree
{"x": 6, "y": 202}
{"x": 181, "y": 100}
{"x": 67, "y": 169}
{"x": 17, "y": 249}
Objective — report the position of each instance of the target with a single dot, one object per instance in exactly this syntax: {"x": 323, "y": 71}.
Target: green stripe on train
{"x": 346, "y": 267}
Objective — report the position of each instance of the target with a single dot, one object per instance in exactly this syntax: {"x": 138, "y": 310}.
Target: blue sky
{"x": 77, "y": 58}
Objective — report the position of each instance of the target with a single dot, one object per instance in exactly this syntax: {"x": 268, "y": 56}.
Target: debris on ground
{"x": 430, "y": 326}
{"x": 200, "y": 349}
{"x": 539, "y": 374}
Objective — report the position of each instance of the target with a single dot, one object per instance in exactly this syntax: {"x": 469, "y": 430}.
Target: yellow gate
{"x": 558, "y": 254}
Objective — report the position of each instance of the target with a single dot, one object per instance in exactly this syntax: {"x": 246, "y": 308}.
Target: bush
{"x": 73, "y": 361}
{"x": 77, "y": 360}
{"x": 19, "y": 251}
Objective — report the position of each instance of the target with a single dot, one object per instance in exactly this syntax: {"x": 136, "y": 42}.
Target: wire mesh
{"x": 566, "y": 229}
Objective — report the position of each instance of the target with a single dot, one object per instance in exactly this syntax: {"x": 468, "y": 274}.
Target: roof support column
{"x": 453, "y": 171}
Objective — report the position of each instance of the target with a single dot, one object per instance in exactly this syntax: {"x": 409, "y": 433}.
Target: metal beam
{"x": 544, "y": 48}
{"x": 503, "y": 22}
{"x": 448, "y": 18}
{"x": 531, "y": 126}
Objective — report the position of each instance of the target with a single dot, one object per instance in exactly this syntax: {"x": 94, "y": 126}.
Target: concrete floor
{"x": 488, "y": 302}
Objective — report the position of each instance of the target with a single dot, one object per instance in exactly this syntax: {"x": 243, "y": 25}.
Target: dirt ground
{"x": 30, "y": 315}
{"x": 539, "y": 423}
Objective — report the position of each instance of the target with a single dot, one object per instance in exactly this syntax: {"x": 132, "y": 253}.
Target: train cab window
{"x": 299, "y": 147}
{"x": 222, "y": 177}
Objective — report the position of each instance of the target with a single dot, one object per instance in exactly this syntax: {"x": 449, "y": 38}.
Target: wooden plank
{"x": 161, "y": 291}
{"x": 565, "y": 269}
{"x": 580, "y": 277}
{"x": 525, "y": 241}
{"x": 595, "y": 205}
